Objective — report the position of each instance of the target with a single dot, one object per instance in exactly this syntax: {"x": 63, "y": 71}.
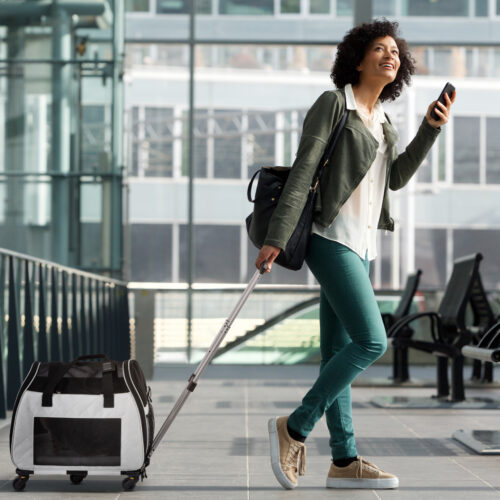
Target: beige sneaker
{"x": 288, "y": 457}
{"x": 360, "y": 474}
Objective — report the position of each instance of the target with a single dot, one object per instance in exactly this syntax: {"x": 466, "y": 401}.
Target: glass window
{"x": 319, "y": 6}
{"x": 290, "y": 6}
{"x": 435, "y": 8}
{"x": 137, "y": 5}
{"x": 442, "y": 62}
{"x": 182, "y": 6}
{"x": 345, "y": 8}
{"x": 246, "y": 7}
{"x": 466, "y": 150}
{"x": 227, "y": 143}
{"x": 216, "y": 254}
{"x": 430, "y": 256}
{"x": 424, "y": 172}
{"x": 153, "y": 261}
{"x": 260, "y": 140}
{"x": 384, "y": 8}
{"x": 157, "y": 147}
{"x": 200, "y": 158}
{"x": 492, "y": 151}
{"x": 91, "y": 245}
{"x": 94, "y": 151}
{"x": 486, "y": 241}
{"x": 481, "y": 8}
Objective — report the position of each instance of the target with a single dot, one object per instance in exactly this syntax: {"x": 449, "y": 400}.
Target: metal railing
{"x": 50, "y": 312}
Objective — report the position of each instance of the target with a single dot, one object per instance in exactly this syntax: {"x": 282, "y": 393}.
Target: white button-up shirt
{"x": 356, "y": 223}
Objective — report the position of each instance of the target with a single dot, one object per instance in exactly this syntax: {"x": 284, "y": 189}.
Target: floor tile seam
{"x": 475, "y": 475}
{"x": 247, "y": 448}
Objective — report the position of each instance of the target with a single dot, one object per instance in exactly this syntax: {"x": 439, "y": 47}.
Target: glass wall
{"x": 56, "y": 166}
{"x": 337, "y": 8}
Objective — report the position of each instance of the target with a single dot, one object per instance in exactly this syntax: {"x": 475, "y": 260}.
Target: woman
{"x": 371, "y": 66}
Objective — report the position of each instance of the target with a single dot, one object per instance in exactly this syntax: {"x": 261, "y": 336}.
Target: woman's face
{"x": 381, "y": 60}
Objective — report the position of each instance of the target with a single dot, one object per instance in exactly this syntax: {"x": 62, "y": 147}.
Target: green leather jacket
{"x": 354, "y": 153}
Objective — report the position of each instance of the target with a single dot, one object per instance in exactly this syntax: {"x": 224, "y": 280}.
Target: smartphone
{"x": 448, "y": 89}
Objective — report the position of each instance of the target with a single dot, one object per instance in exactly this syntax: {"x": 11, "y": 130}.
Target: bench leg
{"x": 488, "y": 372}
{"x": 457, "y": 385}
{"x": 396, "y": 351}
{"x": 442, "y": 377}
{"x": 404, "y": 374}
{"x": 476, "y": 370}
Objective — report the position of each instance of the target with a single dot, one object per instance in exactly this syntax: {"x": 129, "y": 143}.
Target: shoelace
{"x": 362, "y": 461}
{"x": 296, "y": 456}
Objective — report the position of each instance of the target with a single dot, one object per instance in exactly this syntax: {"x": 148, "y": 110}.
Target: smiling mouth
{"x": 387, "y": 66}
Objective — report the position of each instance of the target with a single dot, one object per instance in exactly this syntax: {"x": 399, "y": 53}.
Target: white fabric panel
{"x": 77, "y": 406}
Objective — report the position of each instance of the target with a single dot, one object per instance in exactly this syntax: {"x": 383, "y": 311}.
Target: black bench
{"x": 448, "y": 327}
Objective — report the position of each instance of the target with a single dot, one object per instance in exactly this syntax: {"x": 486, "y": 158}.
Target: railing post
{"x": 28, "y": 345}
{"x": 83, "y": 319}
{"x": 92, "y": 333}
{"x": 43, "y": 353}
{"x": 107, "y": 320}
{"x": 55, "y": 351}
{"x": 112, "y": 318}
{"x": 77, "y": 347}
{"x": 13, "y": 362}
{"x": 3, "y": 409}
{"x": 98, "y": 316}
{"x": 65, "y": 330}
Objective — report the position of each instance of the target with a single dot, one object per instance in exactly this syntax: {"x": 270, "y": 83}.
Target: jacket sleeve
{"x": 407, "y": 163}
{"x": 316, "y": 131}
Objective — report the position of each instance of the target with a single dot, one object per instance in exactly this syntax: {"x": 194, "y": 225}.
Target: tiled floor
{"x": 218, "y": 449}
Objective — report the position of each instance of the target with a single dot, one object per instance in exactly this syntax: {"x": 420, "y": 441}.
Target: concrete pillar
{"x": 144, "y": 330}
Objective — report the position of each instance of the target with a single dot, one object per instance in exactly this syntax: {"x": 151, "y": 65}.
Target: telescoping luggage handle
{"x": 193, "y": 380}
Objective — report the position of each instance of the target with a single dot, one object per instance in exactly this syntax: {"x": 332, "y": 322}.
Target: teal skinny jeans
{"x": 352, "y": 337}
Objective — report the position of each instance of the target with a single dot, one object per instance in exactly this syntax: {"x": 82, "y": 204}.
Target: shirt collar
{"x": 379, "y": 115}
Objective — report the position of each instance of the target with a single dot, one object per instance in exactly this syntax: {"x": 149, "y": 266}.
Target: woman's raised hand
{"x": 269, "y": 253}
{"x": 441, "y": 110}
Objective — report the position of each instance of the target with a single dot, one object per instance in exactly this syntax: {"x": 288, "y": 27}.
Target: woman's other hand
{"x": 441, "y": 110}
{"x": 269, "y": 253}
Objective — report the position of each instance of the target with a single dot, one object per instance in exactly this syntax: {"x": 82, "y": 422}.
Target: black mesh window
{"x": 77, "y": 441}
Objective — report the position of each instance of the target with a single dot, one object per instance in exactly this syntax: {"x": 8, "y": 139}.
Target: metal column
{"x": 14, "y": 139}
{"x": 61, "y": 115}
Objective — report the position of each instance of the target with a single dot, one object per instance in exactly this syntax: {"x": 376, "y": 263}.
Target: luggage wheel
{"x": 20, "y": 482}
{"x": 77, "y": 478}
{"x": 129, "y": 482}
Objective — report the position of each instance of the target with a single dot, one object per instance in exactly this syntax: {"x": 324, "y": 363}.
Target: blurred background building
{"x": 97, "y": 148}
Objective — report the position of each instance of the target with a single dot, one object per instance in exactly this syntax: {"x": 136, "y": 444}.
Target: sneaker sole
{"x": 275, "y": 456}
{"x": 374, "y": 484}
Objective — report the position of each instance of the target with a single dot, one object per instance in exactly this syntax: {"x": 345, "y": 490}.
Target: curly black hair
{"x": 352, "y": 50}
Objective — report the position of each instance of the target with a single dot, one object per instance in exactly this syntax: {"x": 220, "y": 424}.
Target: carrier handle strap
{"x": 56, "y": 374}
{"x": 249, "y": 189}
{"x": 108, "y": 367}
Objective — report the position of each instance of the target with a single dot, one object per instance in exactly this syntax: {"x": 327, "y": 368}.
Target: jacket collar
{"x": 378, "y": 111}
{"x": 390, "y": 133}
